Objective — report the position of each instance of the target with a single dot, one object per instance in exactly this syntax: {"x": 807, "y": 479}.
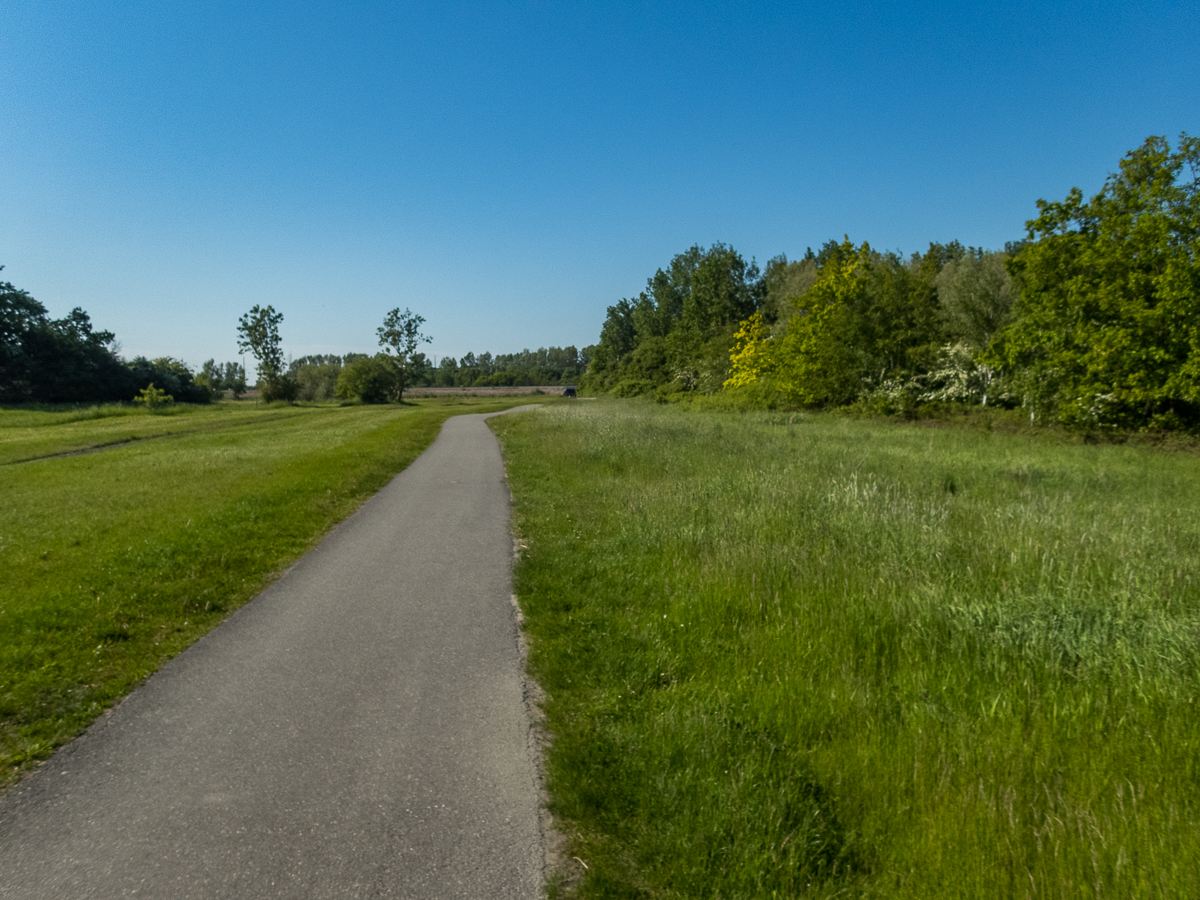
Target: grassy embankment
{"x": 111, "y": 562}
{"x": 810, "y": 656}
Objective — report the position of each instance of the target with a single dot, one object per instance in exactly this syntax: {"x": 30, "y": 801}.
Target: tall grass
{"x": 808, "y": 656}
{"x": 113, "y": 561}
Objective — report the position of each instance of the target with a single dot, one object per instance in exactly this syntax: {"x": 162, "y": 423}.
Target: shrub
{"x": 152, "y": 398}
{"x": 279, "y": 389}
{"x": 633, "y": 387}
{"x": 371, "y": 380}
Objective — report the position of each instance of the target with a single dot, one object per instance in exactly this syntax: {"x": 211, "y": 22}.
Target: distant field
{"x": 118, "y": 556}
{"x": 809, "y": 656}
{"x": 503, "y": 391}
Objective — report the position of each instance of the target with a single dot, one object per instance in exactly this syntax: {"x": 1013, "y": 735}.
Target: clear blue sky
{"x": 509, "y": 170}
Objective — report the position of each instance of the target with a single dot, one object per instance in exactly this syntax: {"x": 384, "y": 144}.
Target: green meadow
{"x": 804, "y": 655}
{"x": 124, "y": 535}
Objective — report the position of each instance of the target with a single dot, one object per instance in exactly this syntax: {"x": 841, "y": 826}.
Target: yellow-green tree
{"x": 817, "y": 360}
{"x": 752, "y": 357}
{"x": 152, "y": 398}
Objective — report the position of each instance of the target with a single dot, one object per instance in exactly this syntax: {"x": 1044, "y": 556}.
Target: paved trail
{"x": 356, "y": 731}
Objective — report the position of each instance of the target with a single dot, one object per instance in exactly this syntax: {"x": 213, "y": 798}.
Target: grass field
{"x": 113, "y": 561}
{"x": 809, "y": 656}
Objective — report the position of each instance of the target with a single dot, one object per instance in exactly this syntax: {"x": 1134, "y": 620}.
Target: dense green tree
{"x": 680, "y": 328}
{"x": 618, "y": 336}
{"x": 55, "y": 360}
{"x": 1106, "y": 330}
{"x": 645, "y": 325}
{"x": 976, "y": 294}
{"x": 724, "y": 291}
{"x": 420, "y": 370}
{"x": 661, "y": 305}
{"x": 1094, "y": 318}
{"x": 897, "y": 323}
{"x": 68, "y": 362}
{"x": 19, "y": 314}
{"x": 784, "y": 282}
{"x": 820, "y": 359}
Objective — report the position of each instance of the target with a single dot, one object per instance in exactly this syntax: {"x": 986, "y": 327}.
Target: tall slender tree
{"x": 258, "y": 334}
{"x": 400, "y": 335}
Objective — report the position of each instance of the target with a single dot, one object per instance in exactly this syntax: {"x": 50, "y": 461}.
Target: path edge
{"x": 560, "y": 874}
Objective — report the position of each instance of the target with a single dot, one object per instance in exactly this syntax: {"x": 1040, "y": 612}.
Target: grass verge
{"x": 41, "y": 432}
{"x": 793, "y": 655}
{"x": 111, "y": 562}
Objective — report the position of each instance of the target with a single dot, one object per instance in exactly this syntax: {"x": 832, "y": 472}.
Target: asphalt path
{"x": 358, "y": 730}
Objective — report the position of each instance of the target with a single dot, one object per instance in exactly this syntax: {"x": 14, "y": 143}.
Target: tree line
{"x": 546, "y": 365}
{"x": 385, "y": 376}
{"x": 1091, "y": 320}
{"x": 45, "y": 360}
{"x": 317, "y": 377}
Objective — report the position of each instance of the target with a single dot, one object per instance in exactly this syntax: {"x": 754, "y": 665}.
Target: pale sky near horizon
{"x": 509, "y": 170}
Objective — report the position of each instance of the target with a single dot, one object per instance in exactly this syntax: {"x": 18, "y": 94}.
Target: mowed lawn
{"x": 810, "y": 656}
{"x": 113, "y": 561}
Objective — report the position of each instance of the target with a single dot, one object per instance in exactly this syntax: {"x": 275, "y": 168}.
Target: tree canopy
{"x": 678, "y": 331}
{"x": 67, "y": 360}
{"x": 1107, "y": 325}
